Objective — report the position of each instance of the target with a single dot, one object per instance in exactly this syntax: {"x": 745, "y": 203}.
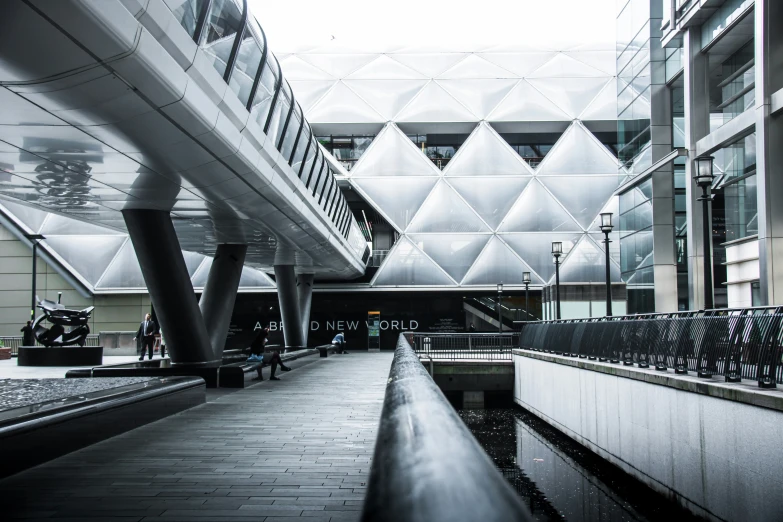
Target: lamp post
{"x": 500, "y": 308}
{"x": 606, "y": 228}
{"x": 526, "y": 281}
{"x": 703, "y": 178}
{"x": 34, "y": 239}
{"x": 557, "y": 251}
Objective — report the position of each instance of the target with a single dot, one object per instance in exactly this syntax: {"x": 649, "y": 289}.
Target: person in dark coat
{"x": 27, "y": 334}
{"x": 146, "y": 333}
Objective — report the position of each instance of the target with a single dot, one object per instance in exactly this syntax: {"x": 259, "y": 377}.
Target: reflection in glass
{"x": 223, "y": 23}
{"x": 247, "y": 62}
{"x": 636, "y": 247}
{"x": 187, "y": 13}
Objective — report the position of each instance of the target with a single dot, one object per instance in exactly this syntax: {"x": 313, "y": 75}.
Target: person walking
{"x": 27, "y": 334}
{"x": 339, "y": 340}
{"x": 146, "y": 333}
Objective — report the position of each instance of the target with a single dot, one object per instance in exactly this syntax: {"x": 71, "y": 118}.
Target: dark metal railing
{"x": 735, "y": 343}
{"x": 427, "y": 466}
{"x": 455, "y": 346}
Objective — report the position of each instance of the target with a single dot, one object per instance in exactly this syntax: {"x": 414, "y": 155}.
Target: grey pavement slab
{"x": 298, "y": 447}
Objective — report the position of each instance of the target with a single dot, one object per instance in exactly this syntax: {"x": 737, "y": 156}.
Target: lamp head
{"x": 703, "y": 175}
{"x": 606, "y": 222}
{"x": 526, "y": 277}
{"x": 557, "y": 249}
{"x": 500, "y": 288}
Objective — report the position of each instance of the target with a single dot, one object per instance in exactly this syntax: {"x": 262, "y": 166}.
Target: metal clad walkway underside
{"x": 301, "y": 446}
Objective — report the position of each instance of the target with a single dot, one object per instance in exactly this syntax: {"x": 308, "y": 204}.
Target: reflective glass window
{"x": 319, "y": 179}
{"x": 262, "y": 101}
{"x": 301, "y": 147}
{"x": 308, "y": 163}
{"x": 282, "y": 109}
{"x": 319, "y": 165}
{"x": 246, "y": 66}
{"x": 328, "y": 193}
{"x": 187, "y": 13}
{"x": 636, "y": 247}
{"x": 223, "y": 23}
{"x": 291, "y": 132}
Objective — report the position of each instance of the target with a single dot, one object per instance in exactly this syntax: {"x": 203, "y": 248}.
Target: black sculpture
{"x": 60, "y": 317}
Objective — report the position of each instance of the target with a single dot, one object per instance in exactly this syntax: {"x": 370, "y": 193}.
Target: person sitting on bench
{"x": 339, "y": 341}
{"x": 272, "y": 359}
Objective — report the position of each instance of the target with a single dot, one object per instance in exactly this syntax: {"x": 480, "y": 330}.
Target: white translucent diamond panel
{"x": 521, "y": 64}
{"x": 434, "y": 105}
{"x": 587, "y": 264}
{"x": 342, "y": 105}
{"x": 296, "y": 69}
{"x": 572, "y": 95}
{"x": 455, "y": 253}
{"x": 491, "y": 197}
{"x": 565, "y": 67}
{"x": 536, "y": 249}
{"x": 604, "y": 106}
{"x": 308, "y": 93}
{"x": 582, "y": 196}
{"x": 384, "y": 68}
{"x": 338, "y": 65}
{"x": 480, "y": 96}
{"x": 406, "y": 265}
{"x": 445, "y": 211}
{"x": 124, "y": 272}
{"x": 32, "y": 218}
{"x": 429, "y": 64}
{"x": 604, "y": 61}
{"x": 59, "y": 225}
{"x": 199, "y": 279}
{"x": 398, "y": 199}
{"x": 578, "y": 152}
{"x": 614, "y": 246}
{"x": 193, "y": 260}
{"x": 387, "y": 97}
{"x": 486, "y": 154}
{"x": 475, "y": 67}
{"x": 393, "y": 154}
{"x": 524, "y": 103}
{"x": 537, "y": 211}
{"x": 496, "y": 264}
{"x": 87, "y": 255}
{"x": 252, "y": 278}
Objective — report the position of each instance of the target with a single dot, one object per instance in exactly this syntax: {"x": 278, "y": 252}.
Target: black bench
{"x": 234, "y": 375}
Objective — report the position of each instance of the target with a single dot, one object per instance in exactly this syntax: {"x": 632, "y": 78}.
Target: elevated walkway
{"x": 289, "y": 448}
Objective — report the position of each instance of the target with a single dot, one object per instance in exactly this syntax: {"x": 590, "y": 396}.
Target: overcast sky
{"x": 375, "y": 25}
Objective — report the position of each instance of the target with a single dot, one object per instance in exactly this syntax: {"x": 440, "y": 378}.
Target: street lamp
{"x": 500, "y": 308}
{"x": 703, "y": 178}
{"x": 526, "y": 281}
{"x": 557, "y": 251}
{"x": 606, "y": 228}
{"x": 34, "y": 239}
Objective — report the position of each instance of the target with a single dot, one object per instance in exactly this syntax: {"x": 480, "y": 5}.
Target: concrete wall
{"x": 720, "y": 458}
{"x": 112, "y": 312}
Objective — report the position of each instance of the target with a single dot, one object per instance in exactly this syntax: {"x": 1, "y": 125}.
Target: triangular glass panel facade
{"x": 308, "y": 92}
{"x": 406, "y": 265}
{"x": 475, "y": 67}
{"x": 384, "y": 68}
{"x": 486, "y": 154}
{"x": 62, "y": 226}
{"x": 294, "y": 68}
{"x": 342, "y": 105}
{"x": 521, "y": 64}
{"x": 30, "y": 217}
{"x": 429, "y": 64}
{"x": 432, "y": 105}
{"x": 578, "y": 152}
{"x": 587, "y": 263}
{"x": 491, "y": 197}
{"x": 338, "y": 65}
{"x": 124, "y": 271}
{"x": 536, "y": 249}
{"x": 193, "y": 260}
{"x": 445, "y": 211}
{"x": 614, "y": 246}
{"x": 604, "y": 61}
{"x": 393, "y": 154}
{"x": 455, "y": 253}
{"x": 397, "y": 199}
{"x": 199, "y": 278}
{"x": 524, "y": 103}
{"x": 387, "y": 97}
{"x": 537, "y": 211}
{"x": 562, "y": 66}
{"x": 253, "y": 278}
{"x": 87, "y": 255}
{"x": 480, "y": 96}
{"x": 496, "y": 264}
{"x": 572, "y": 95}
{"x": 582, "y": 196}
{"x": 604, "y": 106}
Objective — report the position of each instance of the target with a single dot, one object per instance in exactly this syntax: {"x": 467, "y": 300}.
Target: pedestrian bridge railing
{"x": 734, "y": 343}
{"x": 427, "y": 466}
{"x": 459, "y": 346}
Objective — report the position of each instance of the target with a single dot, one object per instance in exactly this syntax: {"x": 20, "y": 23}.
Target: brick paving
{"x": 299, "y": 447}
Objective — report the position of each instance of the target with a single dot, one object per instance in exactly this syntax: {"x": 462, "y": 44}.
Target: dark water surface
{"x": 560, "y": 480}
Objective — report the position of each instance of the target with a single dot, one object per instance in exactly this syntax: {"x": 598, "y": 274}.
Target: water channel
{"x": 560, "y": 480}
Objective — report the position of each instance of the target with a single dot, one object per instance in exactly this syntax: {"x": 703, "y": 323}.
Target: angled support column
{"x": 168, "y": 282}
{"x": 290, "y": 312}
{"x": 304, "y": 290}
{"x": 220, "y": 293}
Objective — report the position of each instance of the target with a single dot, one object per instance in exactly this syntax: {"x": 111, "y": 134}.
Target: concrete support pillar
{"x": 304, "y": 290}
{"x": 697, "y": 125}
{"x": 220, "y": 292}
{"x": 290, "y": 312}
{"x": 168, "y": 283}
{"x": 769, "y": 152}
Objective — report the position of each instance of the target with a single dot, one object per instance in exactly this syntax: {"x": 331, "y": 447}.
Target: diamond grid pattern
{"x": 488, "y": 216}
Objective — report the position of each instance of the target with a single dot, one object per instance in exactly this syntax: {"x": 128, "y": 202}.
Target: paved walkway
{"x": 299, "y": 447}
